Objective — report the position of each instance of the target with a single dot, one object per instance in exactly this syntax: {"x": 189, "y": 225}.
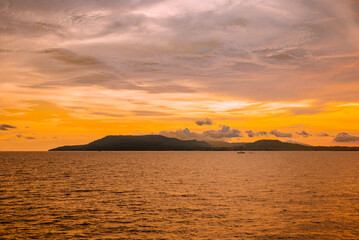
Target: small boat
{"x": 241, "y": 152}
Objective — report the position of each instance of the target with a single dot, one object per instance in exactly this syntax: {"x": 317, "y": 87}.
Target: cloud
{"x": 280, "y": 134}
{"x": 150, "y": 113}
{"x": 107, "y": 114}
{"x": 206, "y": 121}
{"x": 4, "y": 51}
{"x": 323, "y": 135}
{"x": 345, "y": 137}
{"x": 251, "y": 134}
{"x": 308, "y": 110}
{"x": 142, "y": 44}
{"x": 262, "y": 133}
{"x": 304, "y": 134}
{"x": 5, "y": 127}
{"x": 282, "y": 56}
{"x": 180, "y": 134}
{"x": 26, "y": 137}
{"x": 223, "y": 134}
{"x": 296, "y": 142}
{"x": 69, "y": 57}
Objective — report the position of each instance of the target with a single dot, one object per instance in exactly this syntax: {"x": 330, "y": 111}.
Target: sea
{"x": 179, "y": 195}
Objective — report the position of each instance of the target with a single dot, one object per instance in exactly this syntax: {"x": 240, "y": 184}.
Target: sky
{"x": 217, "y": 70}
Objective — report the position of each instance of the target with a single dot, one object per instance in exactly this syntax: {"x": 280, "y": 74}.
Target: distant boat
{"x": 241, "y": 152}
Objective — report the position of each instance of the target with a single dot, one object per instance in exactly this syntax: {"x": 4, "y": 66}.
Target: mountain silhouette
{"x": 162, "y": 143}
{"x": 138, "y": 143}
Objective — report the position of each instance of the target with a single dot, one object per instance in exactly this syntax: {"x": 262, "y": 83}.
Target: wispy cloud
{"x": 102, "y": 44}
{"x": 107, "y": 114}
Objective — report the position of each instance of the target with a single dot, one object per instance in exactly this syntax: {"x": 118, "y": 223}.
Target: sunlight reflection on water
{"x": 179, "y": 195}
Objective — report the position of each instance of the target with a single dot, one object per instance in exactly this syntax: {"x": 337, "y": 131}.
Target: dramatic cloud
{"x": 206, "y": 121}
{"x": 155, "y": 45}
{"x": 5, "y": 127}
{"x": 280, "y": 134}
{"x": 345, "y": 137}
{"x": 304, "y": 134}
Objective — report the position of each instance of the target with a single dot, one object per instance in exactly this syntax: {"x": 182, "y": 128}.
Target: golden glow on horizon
{"x": 48, "y": 125}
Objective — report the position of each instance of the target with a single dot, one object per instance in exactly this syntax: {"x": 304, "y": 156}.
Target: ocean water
{"x": 179, "y": 195}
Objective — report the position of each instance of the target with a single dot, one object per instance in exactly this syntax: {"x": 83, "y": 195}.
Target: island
{"x": 162, "y": 143}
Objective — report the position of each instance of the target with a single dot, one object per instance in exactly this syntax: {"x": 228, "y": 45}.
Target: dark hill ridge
{"x": 138, "y": 143}
{"x": 161, "y": 143}
{"x": 275, "y": 145}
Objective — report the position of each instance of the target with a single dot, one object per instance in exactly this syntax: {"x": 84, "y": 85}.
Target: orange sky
{"x": 75, "y": 71}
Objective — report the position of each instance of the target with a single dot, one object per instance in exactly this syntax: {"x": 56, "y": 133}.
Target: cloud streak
{"x": 5, "y": 127}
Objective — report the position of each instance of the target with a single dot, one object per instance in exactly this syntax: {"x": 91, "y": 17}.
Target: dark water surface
{"x": 179, "y": 195}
